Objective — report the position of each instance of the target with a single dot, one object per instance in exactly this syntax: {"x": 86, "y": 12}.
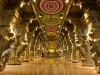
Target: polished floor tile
{"x": 48, "y": 66}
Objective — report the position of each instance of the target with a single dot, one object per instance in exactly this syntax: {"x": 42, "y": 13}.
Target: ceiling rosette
{"x": 51, "y": 6}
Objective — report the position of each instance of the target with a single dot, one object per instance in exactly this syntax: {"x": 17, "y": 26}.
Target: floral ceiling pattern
{"x": 51, "y": 6}
{"x": 51, "y": 16}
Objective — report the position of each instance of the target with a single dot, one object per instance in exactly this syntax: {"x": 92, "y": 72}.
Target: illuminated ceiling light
{"x": 34, "y": 0}
{"x": 42, "y": 25}
{"x": 59, "y": 26}
{"x": 57, "y": 31}
{"x": 22, "y": 4}
{"x": 44, "y": 31}
{"x": 51, "y": 50}
{"x": 67, "y": 1}
{"x": 40, "y": 16}
{"x": 61, "y": 17}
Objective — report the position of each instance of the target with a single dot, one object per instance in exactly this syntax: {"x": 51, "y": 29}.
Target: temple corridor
{"x": 49, "y": 37}
{"x": 48, "y": 66}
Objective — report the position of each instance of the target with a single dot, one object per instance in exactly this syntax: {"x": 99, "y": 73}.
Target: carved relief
{"x": 6, "y": 39}
{"x": 94, "y": 34}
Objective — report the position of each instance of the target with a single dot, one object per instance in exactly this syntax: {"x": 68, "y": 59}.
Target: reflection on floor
{"x": 48, "y": 66}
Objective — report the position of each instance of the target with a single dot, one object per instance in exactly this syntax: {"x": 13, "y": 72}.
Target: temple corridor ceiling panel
{"x": 51, "y": 14}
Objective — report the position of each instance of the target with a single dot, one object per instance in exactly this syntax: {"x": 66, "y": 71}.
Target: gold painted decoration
{"x": 51, "y": 20}
{"x": 51, "y": 33}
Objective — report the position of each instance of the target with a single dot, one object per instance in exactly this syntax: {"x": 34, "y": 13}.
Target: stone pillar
{"x": 82, "y": 45}
{"x": 29, "y": 38}
{"x": 7, "y": 36}
{"x": 93, "y": 21}
{"x": 20, "y": 44}
{"x": 86, "y": 45}
{"x": 68, "y": 45}
{"x": 69, "y": 48}
{"x": 71, "y": 35}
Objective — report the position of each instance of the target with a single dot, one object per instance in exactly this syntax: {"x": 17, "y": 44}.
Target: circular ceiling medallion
{"x": 51, "y": 21}
{"x": 51, "y": 28}
{"x": 51, "y": 6}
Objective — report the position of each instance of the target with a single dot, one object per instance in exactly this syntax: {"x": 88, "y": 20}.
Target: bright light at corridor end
{"x": 66, "y": 1}
{"x": 51, "y": 50}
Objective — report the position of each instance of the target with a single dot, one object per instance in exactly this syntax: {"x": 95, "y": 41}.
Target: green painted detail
{"x": 50, "y": 19}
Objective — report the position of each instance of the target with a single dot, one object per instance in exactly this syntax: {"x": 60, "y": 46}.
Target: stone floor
{"x": 48, "y": 66}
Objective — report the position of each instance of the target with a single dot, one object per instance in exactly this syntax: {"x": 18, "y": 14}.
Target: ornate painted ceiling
{"x": 51, "y": 14}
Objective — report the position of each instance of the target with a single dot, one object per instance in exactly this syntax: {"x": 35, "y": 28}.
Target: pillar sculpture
{"x": 6, "y": 40}
{"x": 7, "y": 20}
{"x": 20, "y": 44}
{"x": 69, "y": 47}
{"x": 29, "y": 40}
{"x": 93, "y": 20}
{"x": 71, "y": 35}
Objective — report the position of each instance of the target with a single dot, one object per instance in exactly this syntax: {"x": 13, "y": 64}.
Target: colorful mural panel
{"x": 51, "y": 28}
{"x": 51, "y": 6}
{"x": 51, "y": 20}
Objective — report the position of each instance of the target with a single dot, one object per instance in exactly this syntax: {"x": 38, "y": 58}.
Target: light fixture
{"x": 34, "y": 0}
{"x": 57, "y": 31}
{"x": 59, "y": 26}
{"x": 40, "y": 16}
{"x": 61, "y": 17}
{"x": 51, "y": 50}
{"x": 67, "y": 1}
{"x": 42, "y": 25}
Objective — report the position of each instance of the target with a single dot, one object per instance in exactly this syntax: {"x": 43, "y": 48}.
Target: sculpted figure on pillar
{"x": 20, "y": 44}
{"x": 69, "y": 48}
{"x": 79, "y": 39}
{"x": 6, "y": 40}
{"x": 93, "y": 20}
{"x": 95, "y": 49}
{"x": 71, "y": 35}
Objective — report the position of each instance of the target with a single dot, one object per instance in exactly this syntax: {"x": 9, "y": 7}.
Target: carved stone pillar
{"x": 69, "y": 47}
{"x": 36, "y": 44}
{"x": 93, "y": 21}
{"x": 20, "y": 44}
{"x": 6, "y": 35}
{"x": 29, "y": 39}
{"x": 82, "y": 45}
{"x": 86, "y": 45}
{"x": 71, "y": 35}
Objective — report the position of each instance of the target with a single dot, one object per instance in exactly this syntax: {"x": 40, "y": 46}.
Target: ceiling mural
{"x": 51, "y": 28}
{"x": 51, "y": 20}
{"x": 51, "y": 16}
{"x": 51, "y": 33}
{"x": 51, "y": 6}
